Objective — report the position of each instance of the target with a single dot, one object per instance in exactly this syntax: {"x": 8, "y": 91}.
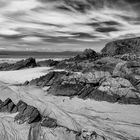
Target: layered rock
{"x": 87, "y": 54}
{"x": 78, "y": 63}
{"x": 29, "y": 114}
{"x": 28, "y": 63}
{"x": 124, "y": 46}
{"x": 46, "y": 80}
{"x": 48, "y": 63}
{"x": 98, "y": 85}
{"x": 26, "y": 113}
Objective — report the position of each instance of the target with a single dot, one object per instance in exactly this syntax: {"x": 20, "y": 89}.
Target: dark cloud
{"x": 106, "y": 30}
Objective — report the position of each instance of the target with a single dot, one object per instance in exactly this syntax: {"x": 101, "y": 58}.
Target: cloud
{"x": 62, "y": 21}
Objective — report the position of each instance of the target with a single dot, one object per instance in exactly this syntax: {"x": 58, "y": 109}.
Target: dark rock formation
{"x": 48, "y": 63}
{"x": 98, "y": 85}
{"x": 46, "y": 80}
{"x": 124, "y": 46}
{"x": 28, "y": 63}
{"x": 27, "y": 113}
{"x": 49, "y": 122}
{"x": 21, "y": 106}
{"x": 89, "y": 135}
{"x": 87, "y": 54}
{"x": 78, "y": 63}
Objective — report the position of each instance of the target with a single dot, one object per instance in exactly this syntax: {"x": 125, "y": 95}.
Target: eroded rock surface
{"x": 119, "y": 47}
{"x": 98, "y": 85}
{"x": 28, "y": 63}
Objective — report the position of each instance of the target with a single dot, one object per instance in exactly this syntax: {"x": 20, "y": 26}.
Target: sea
{"x": 14, "y": 57}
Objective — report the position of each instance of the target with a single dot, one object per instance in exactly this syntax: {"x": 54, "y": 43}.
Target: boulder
{"x": 49, "y": 122}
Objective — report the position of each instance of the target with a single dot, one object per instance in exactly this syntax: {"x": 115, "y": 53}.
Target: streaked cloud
{"x": 72, "y": 23}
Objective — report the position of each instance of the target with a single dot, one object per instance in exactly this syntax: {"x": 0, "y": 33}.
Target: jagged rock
{"x": 47, "y": 79}
{"x": 21, "y": 106}
{"x": 124, "y": 46}
{"x": 121, "y": 87}
{"x": 26, "y": 83}
{"x": 28, "y": 63}
{"x": 86, "y": 55}
{"x": 48, "y": 63}
{"x": 76, "y": 83}
{"x": 106, "y": 64}
{"x": 89, "y": 135}
{"x": 130, "y": 57}
{"x": 79, "y": 62}
{"x": 49, "y": 122}
{"x": 7, "y": 101}
{"x": 11, "y": 106}
{"x": 27, "y": 113}
{"x": 35, "y": 116}
{"x": 129, "y": 70}
{"x": 4, "y": 105}
{"x": 8, "y": 106}
{"x": 14, "y": 110}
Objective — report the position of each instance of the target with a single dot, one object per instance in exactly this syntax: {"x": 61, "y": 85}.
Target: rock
{"x": 77, "y": 83}
{"x": 27, "y": 113}
{"x": 86, "y": 55}
{"x": 14, "y": 110}
{"x": 129, "y": 70}
{"x": 8, "y": 106}
{"x": 47, "y": 79}
{"x": 11, "y": 107}
{"x": 48, "y": 63}
{"x": 4, "y": 105}
{"x": 106, "y": 64}
{"x": 49, "y": 122}
{"x": 120, "y": 87}
{"x": 21, "y": 106}
{"x": 7, "y": 101}
{"x": 26, "y": 83}
{"x": 28, "y": 63}
{"x": 124, "y": 46}
{"x": 130, "y": 57}
{"x": 89, "y": 135}
{"x": 35, "y": 116}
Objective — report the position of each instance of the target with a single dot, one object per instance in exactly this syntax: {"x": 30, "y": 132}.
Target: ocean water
{"x": 12, "y": 57}
{"x": 13, "y": 60}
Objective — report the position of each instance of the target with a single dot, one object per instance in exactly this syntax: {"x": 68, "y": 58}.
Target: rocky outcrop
{"x": 98, "y": 85}
{"x": 89, "y": 135}
{"x": 87, "y": 54}
{"x": 124, "y": 46}
{"x": 28, "y": 63}
{"x": 8, "y": 106}
{"x": 78, "y": 63}
{"x": 129, "y": 70}
{"x": 46, "y": 80}
{"x": 26, "y": 113}
{"x": 47, "y": 63}
{"x": 29, "y": 114}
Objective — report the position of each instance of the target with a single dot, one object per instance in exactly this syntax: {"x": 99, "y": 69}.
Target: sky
{"x": 66, "y": 25}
